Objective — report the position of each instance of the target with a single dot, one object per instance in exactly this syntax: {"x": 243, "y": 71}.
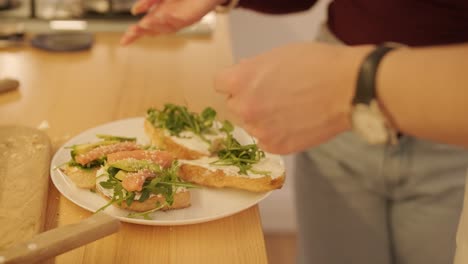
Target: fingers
{"x": 135, "y": 32}
{"x": 153, "y": 23}
{"x": 143, "y": 6}
{"x": 166, "y": 16}
{"x": 227, "y": 81}
{"x": 161, "y": 22}
{"x": 234, "y": 83}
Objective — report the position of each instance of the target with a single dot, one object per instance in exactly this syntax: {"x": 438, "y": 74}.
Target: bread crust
{"x": 181, "y": 200}
{"x": 208, "y": 177}
{"x": 160, "y": 140}
{"x": 82, "y": 178}
{"x": 219, "y": 179}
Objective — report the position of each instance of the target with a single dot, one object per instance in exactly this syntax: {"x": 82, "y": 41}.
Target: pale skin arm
{"x": 425, "y": 92}
{"x": 298, "y": 96}
{"x": 164, "y": 17}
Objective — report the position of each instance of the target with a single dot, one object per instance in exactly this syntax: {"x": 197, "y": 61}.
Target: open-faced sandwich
{"x": 143, "y": 181}
{"x": 186, "y": 134}
{"x": 209, "y": 153}
{"x": 87, "y": 158}
{"x": 237, "y": 166}
{"x": 188, "y": 149}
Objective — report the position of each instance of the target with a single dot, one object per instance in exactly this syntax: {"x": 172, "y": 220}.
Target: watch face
{"x": 369, "y": 124}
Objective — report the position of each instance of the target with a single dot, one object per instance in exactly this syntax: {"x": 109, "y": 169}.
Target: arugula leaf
{"x": 241, "y": 156}
{"x": 227, "y": 127}
{"x": 107, "y": 184}
{"x": 177, "y": 119}
{"x": 145, "y": 214}
{"x": 145, "y": 194}
{"x": 112, "y": 171}
{"x": 165, "y": 183}
{"x": 115, "y": 138}
{"x": 180, "y": 184}
{"x": 129, "y": 198}
{"x": 111, "y": 202}
{"x": 91, "y": 165}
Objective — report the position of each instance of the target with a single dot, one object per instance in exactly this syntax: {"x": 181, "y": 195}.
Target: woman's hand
{"x": 166, "y": 16}
{"x": 293, "y": 97}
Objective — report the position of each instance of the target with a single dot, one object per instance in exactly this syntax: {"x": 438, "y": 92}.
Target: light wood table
{"x": 76, "y": 91}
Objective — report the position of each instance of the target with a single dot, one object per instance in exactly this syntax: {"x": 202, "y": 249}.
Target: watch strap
{"x": 227, "y": 6}
{"x": 366, "y": 82}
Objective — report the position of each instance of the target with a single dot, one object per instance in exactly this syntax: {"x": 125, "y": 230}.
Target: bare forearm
{"x": 425, "y": 92}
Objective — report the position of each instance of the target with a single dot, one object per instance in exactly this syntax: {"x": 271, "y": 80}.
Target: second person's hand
{"x": 293, "y": 97}
{"x": 166, "y": 16}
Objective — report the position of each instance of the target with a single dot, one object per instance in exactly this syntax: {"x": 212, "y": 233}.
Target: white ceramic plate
{"x": 207, "y": 204}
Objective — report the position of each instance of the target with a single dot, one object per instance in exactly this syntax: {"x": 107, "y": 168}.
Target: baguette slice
{"x": 82, "y": 178}
{"x": 203, "y": 173}
{"x": 161, "y": 139}
{"x": 86, "y": 178}
{"x": 182, "y": 196}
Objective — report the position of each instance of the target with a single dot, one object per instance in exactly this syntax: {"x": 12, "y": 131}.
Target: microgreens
{"x": 241, "y": 156}
{"x": 177, "y": 119}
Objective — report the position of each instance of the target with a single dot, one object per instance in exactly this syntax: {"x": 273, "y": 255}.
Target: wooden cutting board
{"x": 24, "y": 172}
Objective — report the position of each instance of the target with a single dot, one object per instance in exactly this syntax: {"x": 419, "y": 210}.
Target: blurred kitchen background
{"x": 251, "y": 33}
{"x": 66, "y": 9}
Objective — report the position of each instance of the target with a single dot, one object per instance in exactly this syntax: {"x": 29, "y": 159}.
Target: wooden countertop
{"x": 76, "y": 91}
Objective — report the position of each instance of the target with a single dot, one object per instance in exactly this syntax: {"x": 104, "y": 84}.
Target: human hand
{"x": 166, "y": 16}
{"x": 293, "y": 97}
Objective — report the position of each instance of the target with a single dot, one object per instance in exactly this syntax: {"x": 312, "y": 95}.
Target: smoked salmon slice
{"x": 134, "y": 181}
{"x": 162, "y": 158}
{"x": 102, "y": 151}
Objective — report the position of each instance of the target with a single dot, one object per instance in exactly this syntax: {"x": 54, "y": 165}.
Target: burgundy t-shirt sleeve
{"x": 277, "y": 6}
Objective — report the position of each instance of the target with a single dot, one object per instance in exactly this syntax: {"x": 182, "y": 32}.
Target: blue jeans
{"x": 365, "y": 204}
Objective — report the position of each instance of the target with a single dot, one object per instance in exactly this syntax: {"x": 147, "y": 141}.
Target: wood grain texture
{"x": 76, "y": 91}
{"x": 62, "y": 239}
{"x": 281, "y": 247}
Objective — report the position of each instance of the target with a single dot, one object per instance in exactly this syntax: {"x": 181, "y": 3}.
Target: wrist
{"x": 351, "y": 60}
{"x": 387, "y": 93}
{"x": 223, "y": 2}
{"x": 224, "y": 6}
{"x": 369, "y": 120}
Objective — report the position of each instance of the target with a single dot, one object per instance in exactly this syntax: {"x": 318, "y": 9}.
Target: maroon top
{"x": 412, "y": 22}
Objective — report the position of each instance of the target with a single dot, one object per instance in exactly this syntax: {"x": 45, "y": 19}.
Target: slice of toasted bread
{"x": 181, "y": 200}
{"x": 160, "y": 139}
{"x": 82, "y": 178}
{"x": 203, "y": 173}
{"x": 219, "y": 179}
